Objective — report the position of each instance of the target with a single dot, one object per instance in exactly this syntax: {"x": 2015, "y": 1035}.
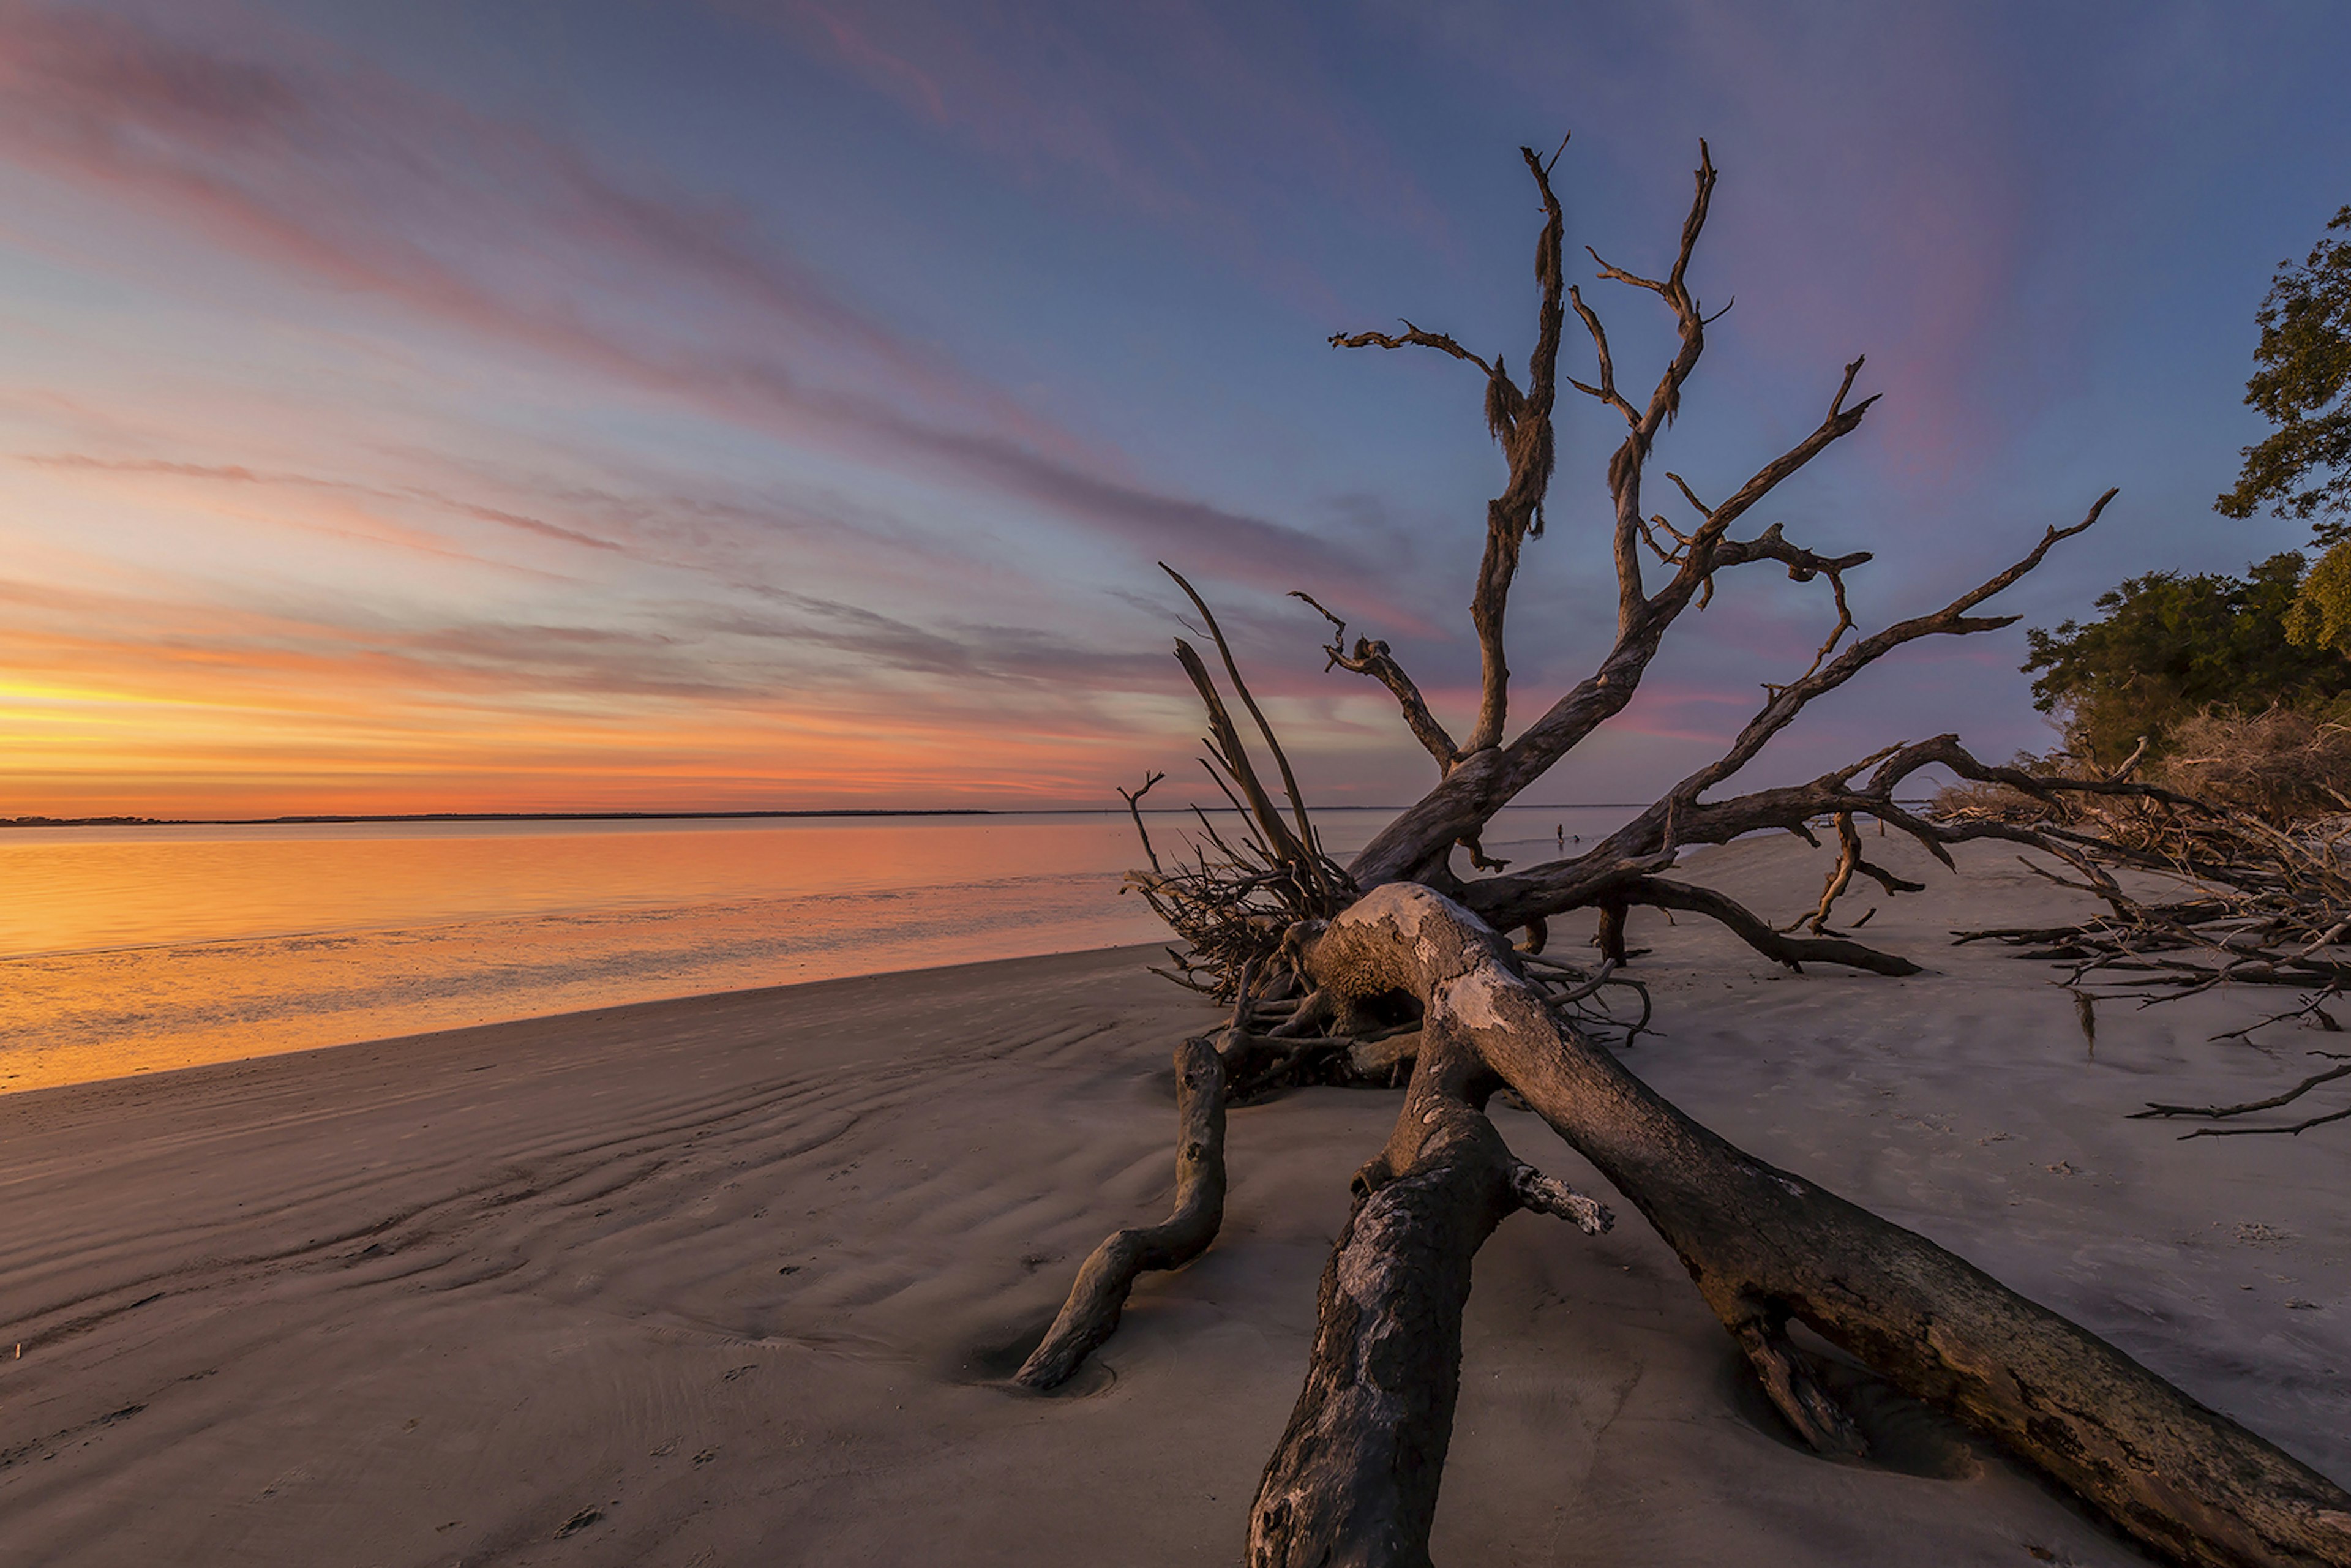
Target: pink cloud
{"x": 377, "y": 189}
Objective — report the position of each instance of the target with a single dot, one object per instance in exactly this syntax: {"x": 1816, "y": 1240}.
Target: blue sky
{"x": 554, "y": 405}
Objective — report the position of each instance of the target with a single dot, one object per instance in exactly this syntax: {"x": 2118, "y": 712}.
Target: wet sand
{"x": 733, "y": 1280}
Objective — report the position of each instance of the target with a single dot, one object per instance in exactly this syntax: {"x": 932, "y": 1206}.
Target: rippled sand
{"x": 730, "y": 1279}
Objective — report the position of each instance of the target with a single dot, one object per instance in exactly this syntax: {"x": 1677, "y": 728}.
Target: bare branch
{"x": 1803, "y": 565}
{"x": 1606, "y": 390}
{"x": 2221, "y": 1113}
{"x": 1134, "y": 799}
{"x": 1757, "y": 933}
{"x": 1583, "y": 881}
{"x": 1705, "y": 512}
{"x": 1522, "y": 422}
{"x": 1478, "y": 788}
{"x": 1549, "y": 1195}
{"x": 1232, "y": 668}
{"x": 1675, "y": 556}
{"x": 1717, "y": 551}
{"x": 2313, "y": 1008}
{"x": 1527, "y": 442}
{"x": 1624, "y": 467}
{"x": 2298, "y": 1128}
{"x": 1372, "y": 659}
{"x": 1788, "y": 701}
{"x": 1483, "y": 782}
{"x": 1412, "y": 337}
{"x": 1850, "y": 861}
{"x": 1225, "y": 742}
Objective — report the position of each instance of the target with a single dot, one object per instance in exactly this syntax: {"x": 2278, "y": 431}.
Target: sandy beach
{"x": 735, "y": 1280}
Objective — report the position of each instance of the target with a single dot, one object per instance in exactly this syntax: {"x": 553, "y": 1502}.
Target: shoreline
{"x": 530, "y": 1022}
{"x": 736, "y": 1277}
{"x": 325, "y": 820}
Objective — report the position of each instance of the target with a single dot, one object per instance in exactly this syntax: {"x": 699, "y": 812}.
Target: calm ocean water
{"x": 135, "y": 949}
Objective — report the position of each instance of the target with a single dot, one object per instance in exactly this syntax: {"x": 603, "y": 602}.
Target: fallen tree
{"x": 1394, "y": 969}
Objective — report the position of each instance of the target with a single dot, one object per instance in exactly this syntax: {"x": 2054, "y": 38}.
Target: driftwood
{"x": 1391, "y": 970}
{"x": 2256, "y": 903}
{"x": 1090, "y": 1314}
{"x": 1764, "y": 1247}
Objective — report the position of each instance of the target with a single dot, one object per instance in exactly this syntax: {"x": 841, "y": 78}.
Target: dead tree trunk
{"x": 1355, "y": 1477}
{"x": 1396, "y": 948}
{"x": 1764, "y": 1247}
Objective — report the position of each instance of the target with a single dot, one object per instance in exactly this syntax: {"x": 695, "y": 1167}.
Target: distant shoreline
{"x": 327, "y": 819}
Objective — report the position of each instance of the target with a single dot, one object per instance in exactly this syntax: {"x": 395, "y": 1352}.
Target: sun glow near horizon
{"x": 381, "y": 435}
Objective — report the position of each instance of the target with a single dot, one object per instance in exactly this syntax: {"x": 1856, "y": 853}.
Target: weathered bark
{"x": 1355, "y": 1479}
{"x": 1765, "y": 1247}
{"x": 1091, "y": 1313}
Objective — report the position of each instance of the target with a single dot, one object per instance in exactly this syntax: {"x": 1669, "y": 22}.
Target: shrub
{"x": 2285, "y": 766}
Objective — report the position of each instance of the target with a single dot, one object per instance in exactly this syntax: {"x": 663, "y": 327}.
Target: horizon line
{"x": 337, "y": 818}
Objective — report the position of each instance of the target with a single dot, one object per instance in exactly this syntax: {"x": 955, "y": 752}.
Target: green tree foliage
{"x": 2304, "y": 469}
{"x": 2170, "y": 645}
{"x": 2321, "y": 615}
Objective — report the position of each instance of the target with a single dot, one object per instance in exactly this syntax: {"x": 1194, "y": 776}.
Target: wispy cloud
{"x": 753, "y": 393}
{"x": 184, "y": 704}
{"x": 237, "y": 474}
{"x": 365, "y": 185}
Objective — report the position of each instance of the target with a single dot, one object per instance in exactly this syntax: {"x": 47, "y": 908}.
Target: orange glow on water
{"x": 127, "y": 950}
{"x": 142, "y": 949}
{"x": 81, "y": 889}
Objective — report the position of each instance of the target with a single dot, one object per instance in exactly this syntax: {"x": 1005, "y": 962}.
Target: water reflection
{"x": 130, "y": 949}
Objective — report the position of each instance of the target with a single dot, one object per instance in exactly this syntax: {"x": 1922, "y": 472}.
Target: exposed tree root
{"x": 1091, "y": 1312}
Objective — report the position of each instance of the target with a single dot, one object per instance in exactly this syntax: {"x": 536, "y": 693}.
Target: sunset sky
{"x": 559, "y": 405}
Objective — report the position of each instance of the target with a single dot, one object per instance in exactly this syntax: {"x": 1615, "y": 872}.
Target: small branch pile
{"x": 1237, "y": 899}
{"x": 2245, "y": 901}
{"x": 1231, "y": 903}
